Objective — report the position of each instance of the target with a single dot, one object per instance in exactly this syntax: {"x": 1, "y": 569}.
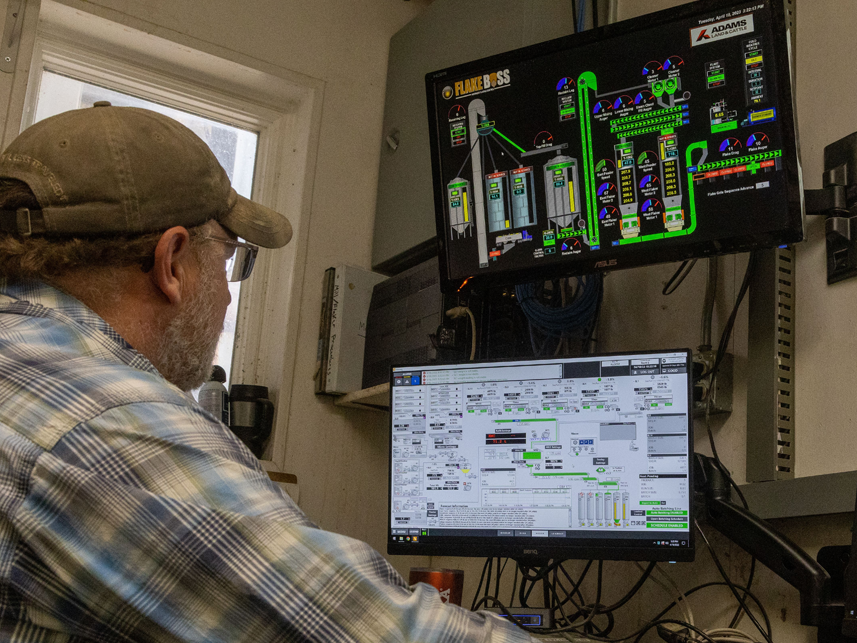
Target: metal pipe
{"x": 708, "y": 306}
{"x": 612, "y": 11}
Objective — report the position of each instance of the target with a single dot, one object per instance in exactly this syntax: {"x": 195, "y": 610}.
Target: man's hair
{"x": 46, "y": 258}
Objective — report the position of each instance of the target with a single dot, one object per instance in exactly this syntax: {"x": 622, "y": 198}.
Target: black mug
{"x": 251, "y": 415}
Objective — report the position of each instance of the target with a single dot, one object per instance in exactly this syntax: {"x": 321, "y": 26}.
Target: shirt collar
{"x": 38, "y": 299}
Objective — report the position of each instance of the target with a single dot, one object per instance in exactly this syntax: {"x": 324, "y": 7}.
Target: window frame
{"x": 285, "y": 110}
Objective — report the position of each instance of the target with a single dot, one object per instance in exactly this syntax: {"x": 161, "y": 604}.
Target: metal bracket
{"x": 14, "y": 25}
{"x": 837, "y": 201}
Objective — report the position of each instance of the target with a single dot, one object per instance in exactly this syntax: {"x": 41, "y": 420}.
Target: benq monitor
{"x": 558, "y": 458}
{"x": 657, "y": 139}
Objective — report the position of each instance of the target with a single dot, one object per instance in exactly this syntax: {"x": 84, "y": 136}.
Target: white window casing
{"x": 282, "y": 106}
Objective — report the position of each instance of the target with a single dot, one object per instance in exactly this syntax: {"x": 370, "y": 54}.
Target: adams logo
{"x": 721, "y": 30}
{"x": 478, "y": 84}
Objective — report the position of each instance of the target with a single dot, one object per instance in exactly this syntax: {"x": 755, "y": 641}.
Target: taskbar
{"x": 675, "y": 537}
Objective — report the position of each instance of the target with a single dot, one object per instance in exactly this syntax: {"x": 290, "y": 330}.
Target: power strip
{"x": 528, "y": 616}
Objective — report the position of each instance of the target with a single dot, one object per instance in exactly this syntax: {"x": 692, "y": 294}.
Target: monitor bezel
{"x": 544, "y": 549}
{"x": 606, "y": 259}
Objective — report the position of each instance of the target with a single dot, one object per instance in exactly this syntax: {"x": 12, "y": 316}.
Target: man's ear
{"x": 170, "y": 272}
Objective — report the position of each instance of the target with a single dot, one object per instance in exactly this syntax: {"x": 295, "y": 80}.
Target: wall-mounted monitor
{"x": 656, "y": 139}
{"x": 556, "y": 458}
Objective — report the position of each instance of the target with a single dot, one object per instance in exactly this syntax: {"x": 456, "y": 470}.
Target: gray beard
{"x": 188, "y": 344}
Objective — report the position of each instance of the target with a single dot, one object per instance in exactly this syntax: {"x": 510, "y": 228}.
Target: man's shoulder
{"x": 52, "y": 378}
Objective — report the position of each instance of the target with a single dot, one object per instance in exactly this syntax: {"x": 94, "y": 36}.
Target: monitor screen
{"x": 556, "y": 458}
{"x": 656, "y": 139}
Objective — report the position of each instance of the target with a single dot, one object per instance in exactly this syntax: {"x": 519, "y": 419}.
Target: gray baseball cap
{"x": 123, "y": 170}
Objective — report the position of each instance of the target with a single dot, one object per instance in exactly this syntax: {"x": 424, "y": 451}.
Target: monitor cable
{"x": 462, "y": 311}
{"x": 765, "y": 633}
{"x": 678, "y": 277}
{"x": 726, "y": 335}
{"x": 698, "y": 588}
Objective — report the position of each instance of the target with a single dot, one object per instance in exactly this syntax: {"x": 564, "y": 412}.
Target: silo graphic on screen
{"x": 561, "y": 191}
{"x": 460, "y": 207}
{"x": 497, "y": 202}
{"x": 523, "y": 197}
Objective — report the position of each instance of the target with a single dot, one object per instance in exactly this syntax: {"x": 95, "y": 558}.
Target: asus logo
{"x": 605, "y": 264}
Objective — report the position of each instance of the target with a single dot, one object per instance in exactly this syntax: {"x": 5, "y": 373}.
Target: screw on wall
{"x": 11, "y": 35}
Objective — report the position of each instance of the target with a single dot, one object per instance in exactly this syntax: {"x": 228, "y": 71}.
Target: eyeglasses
{"x": 240, "y": 264}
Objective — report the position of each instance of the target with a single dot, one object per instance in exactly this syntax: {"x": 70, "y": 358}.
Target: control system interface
{"x": 551, "y": 454}
{"x": 668, "y": 140}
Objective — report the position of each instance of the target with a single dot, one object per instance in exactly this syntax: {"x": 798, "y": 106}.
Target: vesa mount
{"x": 837, "y": 201}
{"x": 828, "y": 593}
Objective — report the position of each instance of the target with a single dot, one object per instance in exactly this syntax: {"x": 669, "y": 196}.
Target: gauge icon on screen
{"x": 652, "y": 67}
{"x": 456, "y": 112}
{"x": 731, "y": 144}
{"x": 623, "y": 101}
{"x": 565, "y": 84}
{"x": 758, "y": 139}
{"x": 673, "y": 62}
{"x": 543, "y": 139}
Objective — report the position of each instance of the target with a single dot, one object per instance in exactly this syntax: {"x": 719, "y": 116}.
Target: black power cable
{"x": 730, "y": 323}
{"x": 745, "y": 590}
{"x": 678, "y": 277}
{"x": 479, "y": 588}
{"x": 588, "y": 627}
{"x": 731, "y": 585}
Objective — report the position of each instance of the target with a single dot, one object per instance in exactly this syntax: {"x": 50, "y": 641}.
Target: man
{"x": 126, "y": 512}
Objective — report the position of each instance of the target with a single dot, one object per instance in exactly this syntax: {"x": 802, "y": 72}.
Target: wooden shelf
{"x": 376, "y": 398}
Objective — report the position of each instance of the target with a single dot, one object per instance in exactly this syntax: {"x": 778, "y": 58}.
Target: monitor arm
{"x": 766, "y": 544}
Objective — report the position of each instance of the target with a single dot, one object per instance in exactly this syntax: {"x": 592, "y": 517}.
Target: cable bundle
{"x": 559, "y": 319}
{"x": 594, "y": 618}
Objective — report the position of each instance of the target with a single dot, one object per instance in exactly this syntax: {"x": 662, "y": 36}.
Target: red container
{"x": 449, "y": 582}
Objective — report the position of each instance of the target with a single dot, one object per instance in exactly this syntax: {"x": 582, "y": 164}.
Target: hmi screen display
{"x": 651, "y": 140}
{"x": 558, "y": 458}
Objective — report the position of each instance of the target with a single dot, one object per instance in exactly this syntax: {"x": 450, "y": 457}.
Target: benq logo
{"x": 720, "y": 30}
{"x": 605, "y": 264}
{"x": 534, "y": 552}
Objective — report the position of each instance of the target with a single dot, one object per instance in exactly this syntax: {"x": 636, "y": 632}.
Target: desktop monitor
{"x": 661, "y": 138}
{"x": 558, "y": 458}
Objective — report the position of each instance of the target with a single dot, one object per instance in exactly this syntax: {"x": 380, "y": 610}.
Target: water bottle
{"x": 213, "y": 396}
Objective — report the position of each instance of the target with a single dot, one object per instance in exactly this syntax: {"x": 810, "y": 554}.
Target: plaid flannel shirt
{"x": 127, "y": 513}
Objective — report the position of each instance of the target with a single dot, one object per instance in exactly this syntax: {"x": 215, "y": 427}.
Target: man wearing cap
{"x": 127, "y": 513}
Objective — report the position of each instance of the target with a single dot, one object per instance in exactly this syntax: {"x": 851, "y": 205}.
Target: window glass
{"x": 234, "y": 148}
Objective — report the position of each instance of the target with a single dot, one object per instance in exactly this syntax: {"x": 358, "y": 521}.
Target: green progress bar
{"x": 740, "y": 160}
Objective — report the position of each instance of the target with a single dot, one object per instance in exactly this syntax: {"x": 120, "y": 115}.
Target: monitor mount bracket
{"x": 837, "y": 201}
{"x": 821, "y": 597}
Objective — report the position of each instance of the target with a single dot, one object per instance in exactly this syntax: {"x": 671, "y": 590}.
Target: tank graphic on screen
{"x": 460, "y": 207}
{"x": 498, "y": 215}
{"x": 562, "y": 193}
{"x": 636, "y": 147}
{"x": 523, "y": 197}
